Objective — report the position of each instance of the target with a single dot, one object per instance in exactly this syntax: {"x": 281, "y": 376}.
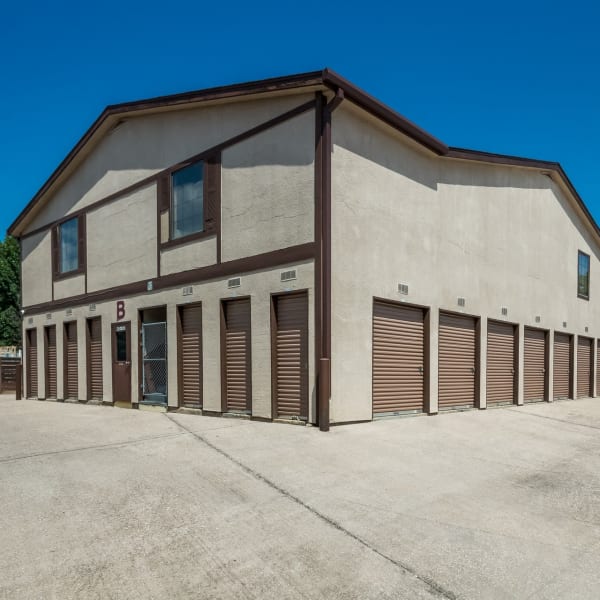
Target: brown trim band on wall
{"x": 257, "y": 262}
{"x": 205, "y": 154}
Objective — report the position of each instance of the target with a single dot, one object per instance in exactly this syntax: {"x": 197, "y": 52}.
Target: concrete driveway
{"x": 107, "y": 503}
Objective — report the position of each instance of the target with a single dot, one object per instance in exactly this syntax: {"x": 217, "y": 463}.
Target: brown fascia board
{"x": 383, "y": 112}
{"x": 528, "y": 163}
{"x": 263, "y": 86}
{"x": 327, "y": 78}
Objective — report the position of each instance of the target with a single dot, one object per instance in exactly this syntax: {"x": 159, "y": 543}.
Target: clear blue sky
{"x": 510, "y": 77}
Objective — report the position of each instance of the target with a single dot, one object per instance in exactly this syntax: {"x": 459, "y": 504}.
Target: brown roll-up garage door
{"x": 95, "y": 380}
{"x": 290, "y": 356}
{"x": 584, "y": 367}
{"x": 398, "y": 358}
{"x": 70, "y": 360}
{"x": 562, "y": 366}
{"x": 457, "y": 361}
{"x": 237, "y": 365}
{"x": 190, "y": 365}
{"x": 534, "y": 371}
{"x": 50, "y": 360}
{"x": 500, "y": 378}
{"x": 32, "y": 364}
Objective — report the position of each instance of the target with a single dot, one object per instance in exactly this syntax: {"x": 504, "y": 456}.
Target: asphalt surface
{"x": 100, "y": 502}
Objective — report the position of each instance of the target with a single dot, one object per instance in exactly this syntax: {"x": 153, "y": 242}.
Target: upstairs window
{"x": 68, "y": 242}
{"x": 68, "y": 247}
{"x": 583, "y": 275}
{"x": 187, "y": 204}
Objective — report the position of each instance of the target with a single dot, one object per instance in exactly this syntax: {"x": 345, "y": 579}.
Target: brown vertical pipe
{"x": 324, "y": 393}
{"x": 19, "y": 382}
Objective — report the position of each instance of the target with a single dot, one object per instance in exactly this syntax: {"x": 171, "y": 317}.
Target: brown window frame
{"x": 81, "y": 248}
{"x": 211, "y": 199}
{"x": 579, "y": 294}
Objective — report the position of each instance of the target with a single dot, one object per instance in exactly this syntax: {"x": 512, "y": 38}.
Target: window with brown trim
{"x": 583, "y": 275}
{"x": 69, "y": 247}
{"x": 189, "y": 201}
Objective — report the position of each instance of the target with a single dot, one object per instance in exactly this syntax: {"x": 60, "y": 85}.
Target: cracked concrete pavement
{"x": 107, "y": 503}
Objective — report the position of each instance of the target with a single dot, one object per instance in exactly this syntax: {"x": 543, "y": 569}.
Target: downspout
{"x": 324, "y": 149}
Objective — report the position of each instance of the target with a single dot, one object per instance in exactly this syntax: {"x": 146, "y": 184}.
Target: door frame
{"x": 223, "y": 353}
{"x": 515, "y": 327}
{"x": 179, "y": 324}
{"x": 65, "y": 358}
{"x": 28, "y": 379}
{"x": 426, "y": 348}
{"x": 88, "y": 363}
{"x": 477, "y": 382}
{"x": 274, "y": 296}
{"x": 113, "y": 329}
{"x": 546, "y": 333}
{"x": 47, "y": 362}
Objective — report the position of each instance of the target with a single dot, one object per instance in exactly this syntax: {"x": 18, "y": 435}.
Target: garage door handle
{"x": 473, "y": 370}
{"x": 421, "y": 370}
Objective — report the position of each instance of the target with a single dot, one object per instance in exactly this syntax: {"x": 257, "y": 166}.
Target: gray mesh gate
{"x": 154, "y": 358}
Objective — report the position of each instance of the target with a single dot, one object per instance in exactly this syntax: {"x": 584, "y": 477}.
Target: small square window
{"x": 187, "y": 201}
{"x": 68, "y": 241}
{"x": 583, "y": 275}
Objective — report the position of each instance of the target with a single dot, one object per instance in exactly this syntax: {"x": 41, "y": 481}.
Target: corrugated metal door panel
{"x": 238, "y": 390}
{"x": 398, "y": 358}
{"x": 32, "y": 364}
{"x": 534, "y": 373}
{"x": 584, "y": 367}
{"x": 500, "y": 378}
{"x": 191, "y": 356}
{"x": 71, "y": 387}
{"x": 562, "y": 366}
{"x": 96, "y": 379}
{"x": 51, "y": 362}
{"x": 291, "y": 356}
{"x": 457, "y": 350}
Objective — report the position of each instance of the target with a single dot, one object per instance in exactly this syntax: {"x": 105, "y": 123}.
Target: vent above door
{"x": 235, "y": 282}
{"x": 288, "y": 275}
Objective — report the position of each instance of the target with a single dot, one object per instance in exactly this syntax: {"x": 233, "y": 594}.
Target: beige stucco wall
{"x": 71, "y": 286}
{"x": 141, "y": 146}
{"x": 258, "y": 285}
{"x": 497, "y": 236}
{"x": 268, "y": 189}
{"x": 36, "y": 259}
{"x": 121, "y": 240}
{"x": 192, "y": 255}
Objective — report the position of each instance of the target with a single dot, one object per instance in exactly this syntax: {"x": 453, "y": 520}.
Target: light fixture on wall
{"x": 149, "y": 286}
{"x": 538, "y": 319}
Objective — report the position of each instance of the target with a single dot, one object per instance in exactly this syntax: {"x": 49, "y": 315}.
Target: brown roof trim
{"x": 383, "y": 112}
{"x": 530, "y": 163}
{"x": 327, "y": 78}
{"x": 217, "y": 93}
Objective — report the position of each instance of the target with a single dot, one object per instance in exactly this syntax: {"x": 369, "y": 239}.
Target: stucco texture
{"x": 497, "y": 236}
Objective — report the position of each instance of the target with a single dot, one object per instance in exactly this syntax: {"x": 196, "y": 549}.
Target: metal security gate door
{"x": 154, "y": 363}
{"x": 237, "y": 379}
{"x": 534, "y": 373}
{"x": 95, "y": 380}
{"x": 32, "y": 364}
{"x": 398, "y": 358}
{"x": 70, "y": 361}
{"x": 50, "y": 360}
{"x": 501, "y": 380}
{"x": 290, "y": 356}
{"x": 190, "y": 359}
{"x": 562, "y": 366}
{"x": 584, "y": 367}
{"x": 457, "y": 366}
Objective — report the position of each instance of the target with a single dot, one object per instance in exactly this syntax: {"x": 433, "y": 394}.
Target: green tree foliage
{"x": 10, "y": 293}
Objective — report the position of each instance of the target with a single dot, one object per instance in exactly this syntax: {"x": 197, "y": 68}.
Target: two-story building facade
{"x": 292, "y": 249}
